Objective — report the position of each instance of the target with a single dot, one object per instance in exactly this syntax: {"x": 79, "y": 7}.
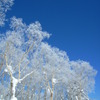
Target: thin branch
{"x": 26, "y": 75}
{"x": 47, "y": 81}
{"x": 7, "y": 66}
{"x": 24, "y": 67}
{"x": 27, "y": 51}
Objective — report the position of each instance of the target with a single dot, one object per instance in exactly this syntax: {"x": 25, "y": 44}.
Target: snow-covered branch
{"x": 26, "y": 76}
{"x": 4, "y": 7}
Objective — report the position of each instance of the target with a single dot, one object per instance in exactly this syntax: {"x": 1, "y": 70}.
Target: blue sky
{"x": 74, "y": 25}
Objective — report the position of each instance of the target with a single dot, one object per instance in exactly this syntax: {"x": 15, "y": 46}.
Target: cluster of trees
{"x": 31, "y": 69}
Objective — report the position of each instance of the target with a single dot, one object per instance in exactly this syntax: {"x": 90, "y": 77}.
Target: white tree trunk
{"x": 14, "y": 83}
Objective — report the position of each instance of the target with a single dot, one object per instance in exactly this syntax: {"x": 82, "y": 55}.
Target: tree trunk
{"x": 45, "y": 95}
{"x": 51, "y": 96}
{"x": 11, "y": 86}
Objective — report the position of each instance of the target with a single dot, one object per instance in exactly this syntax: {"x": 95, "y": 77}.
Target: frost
{"x": 76, "y": 98}
{"x": 1, "y": 97}
{"x": 4, "y": 7}
{"x": 54, "y": 80}
{"x": 15, "y": 82}
{"x": 44, "y": 72}
{"x": 35, "y": 30}
{"x": 13, "y": 98}
{"x": 6, "y": 70}
{"x": 10, "y": 68}
{"x": 26, "y": 76}
{"x": 31, "y": 62}
{"x": 48, "y": 90}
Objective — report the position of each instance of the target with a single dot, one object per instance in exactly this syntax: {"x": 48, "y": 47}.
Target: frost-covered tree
{"x": 4, "y": 7}
{"x": 31, "y": 69}
{"x": 52, "y": 60}
{"x": 18, "y": 46}
{"x": 82, "y": 82}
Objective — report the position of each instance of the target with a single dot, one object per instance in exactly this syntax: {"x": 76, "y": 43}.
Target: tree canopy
{"x": 31, "y": 69}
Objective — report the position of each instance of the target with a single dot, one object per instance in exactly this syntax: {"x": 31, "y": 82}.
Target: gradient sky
{"x": 74, "y": 25}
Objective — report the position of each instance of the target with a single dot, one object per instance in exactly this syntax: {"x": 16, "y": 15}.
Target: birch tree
{"x": 31, "y": 69}
{"x": 82, "y": 82}
{"x": 17, "y": 47}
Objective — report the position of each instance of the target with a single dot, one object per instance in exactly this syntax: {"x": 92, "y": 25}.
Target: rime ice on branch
{"x": 31, "y": 69}
{"x": 18, "y": 47}
{"x": 4, "y": 7}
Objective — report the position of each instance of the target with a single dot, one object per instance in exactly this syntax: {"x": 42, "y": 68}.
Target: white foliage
{"x": 4, "y": 7}
{"x": 38, "y": 63}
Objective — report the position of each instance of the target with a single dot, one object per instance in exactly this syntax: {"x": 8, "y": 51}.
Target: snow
{"x": 82, "y": 90}
{"x": 6, "y": 70}
{"x": 4, "y": 7}
{"x": 10, "y": 68}
{"x": 13, "y": 98}
{"x": 1, "y": 97}
{"x": 15, "y": 82}
{"x": 76, "y": 98}
{"x": 25, "y": 76}
{"x": 44, "y": 72}
{"x": 54, "y": 80}
{"x": 49, "y": 90}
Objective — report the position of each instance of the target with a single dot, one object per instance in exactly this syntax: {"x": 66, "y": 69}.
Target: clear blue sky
{"x": 74, "y": 25}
